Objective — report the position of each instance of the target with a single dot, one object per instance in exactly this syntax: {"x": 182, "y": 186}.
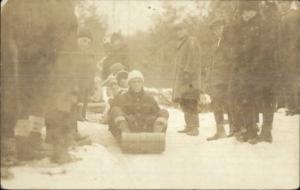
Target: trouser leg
{"x": 117, "y": 122}
{"x": 190, "y": 109}
{"x": 249, "y": 117}
{"x": 85, "y": 104}
{"x": 268, "y": 104}
{"x": 218, "y": 111}
{"x": 217, "y": 105}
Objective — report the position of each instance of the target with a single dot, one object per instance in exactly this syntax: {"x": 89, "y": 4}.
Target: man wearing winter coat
{"x": 86, "y": 69}
{"x": 186, "y": 87}
{"x": 220, "y": 73}
{"x": 289, "y": 47}
{"x": 41, "y": 74}
{"x": 242, "y": 81}
{"x": 266, "y": 69}
{"x": 136, "y": 110}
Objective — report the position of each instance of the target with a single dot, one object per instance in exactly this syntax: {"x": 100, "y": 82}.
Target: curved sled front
{"x": 143, "y": 142}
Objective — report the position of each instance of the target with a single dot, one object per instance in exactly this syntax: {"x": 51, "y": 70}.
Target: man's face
{"x": 136, "y": 85}
{"x": 248, "y": 15}
{"x": 84, "y": 43}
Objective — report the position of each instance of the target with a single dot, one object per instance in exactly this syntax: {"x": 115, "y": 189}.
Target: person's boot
{"x": 193, "y": 132}
{"x": 193, "y": 121}
{"x": 241, "y": 135}
{"x": 6, "y": 173}
{"x": 60, "y": 154}
{"x": 185, "y": 130}
{"x": 219, "y": 134}
{"x": 265, "y": 134}
{"x": 233, "y": 131}
{"x": 252, "y": 136}
{"x": 8, "y": 152}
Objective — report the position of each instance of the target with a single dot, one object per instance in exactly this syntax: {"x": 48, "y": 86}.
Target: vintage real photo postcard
{"x": 150, "y": 94}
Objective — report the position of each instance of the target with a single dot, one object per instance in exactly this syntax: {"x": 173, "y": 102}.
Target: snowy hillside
{"x": 188, "y": 162}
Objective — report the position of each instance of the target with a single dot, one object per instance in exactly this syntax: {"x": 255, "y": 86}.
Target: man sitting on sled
{"x": 136, "y": 111}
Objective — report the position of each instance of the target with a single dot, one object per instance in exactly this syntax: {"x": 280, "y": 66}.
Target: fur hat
{"x": 122, "y": 75}
{"x": 135, "y": 74}
{"x": 116, "y": 67}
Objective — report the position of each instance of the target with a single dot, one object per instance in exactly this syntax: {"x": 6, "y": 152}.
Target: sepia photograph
{"x": 150, "y": 94}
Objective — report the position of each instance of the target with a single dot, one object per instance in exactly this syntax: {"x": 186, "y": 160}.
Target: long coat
{"x": 33, "y": 52}
{"x": 220, "y": 70}
{"x": 242, "y": 80}
{"x": 266, "y": 69}
{"x": 85, "y": 72}
{"x": 187, "y": 71}
{"x": 290, "y": 46}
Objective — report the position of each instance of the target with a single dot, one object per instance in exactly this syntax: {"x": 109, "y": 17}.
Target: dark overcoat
{"x": 220, "y": 72}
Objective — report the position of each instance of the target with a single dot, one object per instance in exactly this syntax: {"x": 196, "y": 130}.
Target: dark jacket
{"x": 266, "y": 69}
{"x": 290, "y": 45}
{"x": 86, "y": 71}
{"x": 220, "y": 71}
{"x": 247, "y": 50}
{"x": 140, "y": 110}
{"x": 139, "y": 104}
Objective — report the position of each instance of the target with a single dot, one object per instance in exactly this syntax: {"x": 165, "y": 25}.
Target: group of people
{"x": 254, "y": 69}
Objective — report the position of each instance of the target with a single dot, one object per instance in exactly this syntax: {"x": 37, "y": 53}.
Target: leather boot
{"x": 185, "y": 130}
{"x": 194, "y": 123}
{"x": 193, "y": 132}
{"x": 252, "y": 135}
{"x": 219, "y": 134}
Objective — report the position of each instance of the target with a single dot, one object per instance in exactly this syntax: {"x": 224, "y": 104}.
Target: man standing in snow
{"x": 136, "y": 110}
{"x": 289, "y": 54}
{"x": 187, "y": 76}
{"x": 86, "y": 69}
{"x": 220, "y": 75}
{"x": 242, "y": 80}
{"x": 266, "y": 69}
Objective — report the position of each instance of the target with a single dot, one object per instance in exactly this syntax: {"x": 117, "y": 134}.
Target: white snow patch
{"x": 188, "y": 162}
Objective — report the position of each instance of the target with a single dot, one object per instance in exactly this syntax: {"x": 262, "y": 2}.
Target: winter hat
{"x": 122, "y": 75}
{"x": 135, "y": 74}
{"x": 116, "y": 67}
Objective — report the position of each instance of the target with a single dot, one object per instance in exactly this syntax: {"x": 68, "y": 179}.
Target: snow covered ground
{"x": 188, "y": 162}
